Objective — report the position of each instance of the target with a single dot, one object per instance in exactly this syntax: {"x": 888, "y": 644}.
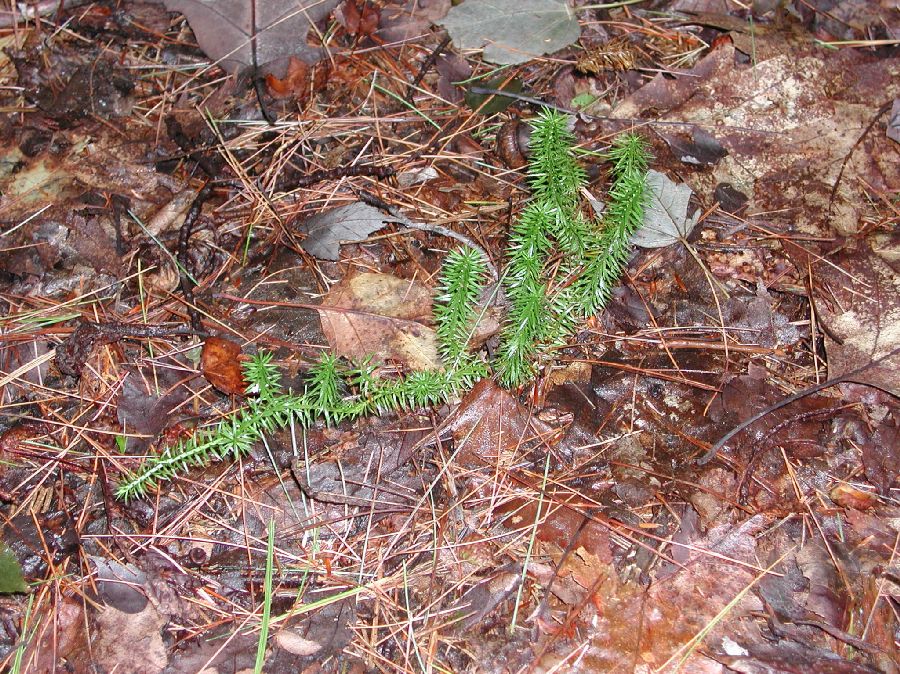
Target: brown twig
{"x": 184, "y": 235}
{"x": 374, "y": 201}
{"x": 426, "y": 65}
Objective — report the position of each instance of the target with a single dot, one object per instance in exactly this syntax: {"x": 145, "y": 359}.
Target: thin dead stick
{"x": 712, "y": 451}
{"x": 401, "y": 219}
{"x": 488, "y": 91}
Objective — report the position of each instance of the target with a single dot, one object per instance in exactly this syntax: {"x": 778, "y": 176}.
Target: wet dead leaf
{"x": 487, "y": 595}
{"x": 492, "y": 427}
{"x": 221, "y": 365}
{"x": 146, "y": 403}
{"x": 227, "y": 29}
{"x": 358, "y": 17}
{"x": 881, "y": 454}
{"x": 14, "y": 439}
{"x": 130, "y": 643}
{"x": 512, "y": 31}
{"x": 893, "y": 126}
{"x": 119, "y": 584}
{"x": 784, "y": 123}
{"x": 406, "y": 19}
{"x": 68, "y": 641}
{"x": 847, "y": 496}
{"x": 861, "y": 317}
{"x": 29, "y": 183}
{"x": 381, "y": 316}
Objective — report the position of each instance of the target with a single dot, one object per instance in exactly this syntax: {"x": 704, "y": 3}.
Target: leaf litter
{"x": 568, "y": 526}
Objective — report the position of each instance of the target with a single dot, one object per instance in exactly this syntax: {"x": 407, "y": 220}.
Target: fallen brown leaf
{"x": 221, "y": 365}
{"x": 381, "y": 316}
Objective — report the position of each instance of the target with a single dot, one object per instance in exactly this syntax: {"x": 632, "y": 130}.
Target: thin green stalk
{"x": 267, "y": 600}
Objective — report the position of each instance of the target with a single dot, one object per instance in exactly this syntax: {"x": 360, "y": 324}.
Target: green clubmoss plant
{"x": 334, "y": 391}
{"x": 561, "y": 268}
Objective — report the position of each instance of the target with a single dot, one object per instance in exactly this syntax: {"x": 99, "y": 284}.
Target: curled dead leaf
{"x": 850, "y": 497}
{"x": 221, "y": 365}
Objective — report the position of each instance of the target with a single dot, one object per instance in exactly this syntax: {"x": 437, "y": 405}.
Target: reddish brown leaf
{"x": 221, "y": 365}
{"x": 492, "y": 428}
{"x": 13, "y": 440}
{"x": 358, "y": 17}
{"x": 294, "y": 80}
{"x": 850, "y": 497}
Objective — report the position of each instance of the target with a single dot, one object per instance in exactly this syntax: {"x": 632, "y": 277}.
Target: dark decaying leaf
{"x": 491, "y": 426}
{"x": 121, "y": 637}
{"x": 893, "y": 126}
{"x": 407, "y": 19}
{"x": 881, "y": 453}
{"x": 118, "y": 584}
{"x": 372, "y": 469}
{"x": 353, "y": 222}
{"x": 38, "y": 540}
{"x": 487, "y": 595}
{"x": 789, "y": 657}
{"x": 226, "y": 29}
{"x": 323, "y": 634}
{"x": 702, "y": 149}
{"x": 491, "y": 104}
{"x": 146, "y": 403}
{"x": 68, "y": 87}
{"x": 860, "y": 315}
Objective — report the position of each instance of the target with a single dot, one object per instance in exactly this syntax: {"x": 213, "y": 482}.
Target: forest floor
{"x": 164, "y": 219}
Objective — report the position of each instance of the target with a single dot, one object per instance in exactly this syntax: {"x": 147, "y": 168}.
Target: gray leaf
{"x": 353, "y": 222}
{"x": 512, "y": 31}
{"x": 666, "y": 220}
{"x": 225, "y": 30}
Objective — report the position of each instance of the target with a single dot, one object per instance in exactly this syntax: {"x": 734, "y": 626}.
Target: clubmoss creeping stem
{"x": 334, "y": 391}
{"x": 547, "y": 300}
